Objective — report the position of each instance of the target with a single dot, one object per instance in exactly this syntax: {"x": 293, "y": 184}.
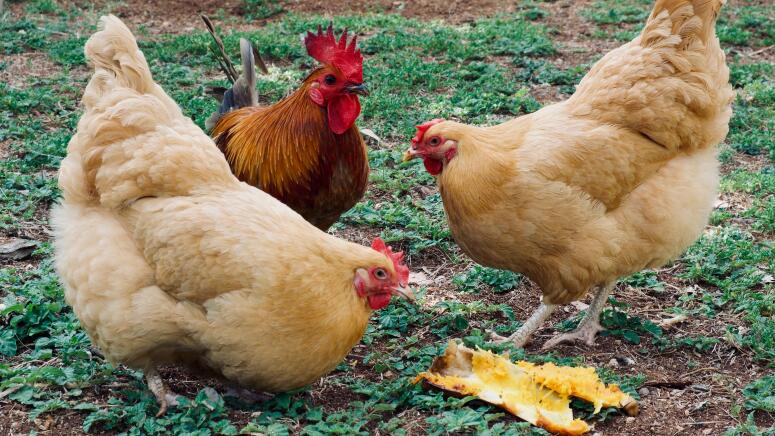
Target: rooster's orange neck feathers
{"x": 287, "y": 149}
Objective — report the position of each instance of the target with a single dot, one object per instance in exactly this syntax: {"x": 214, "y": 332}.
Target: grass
{"x": 478, "y": 72}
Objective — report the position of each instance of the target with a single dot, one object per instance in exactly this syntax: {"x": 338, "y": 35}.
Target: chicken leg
{"x": 590, "y": 325}
{"x": 521, "y": 336}
{"x": 163, "y": 394}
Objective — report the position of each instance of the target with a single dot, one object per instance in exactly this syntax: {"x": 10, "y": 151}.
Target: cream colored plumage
{"x": 167, "y": 257}
{"x": 620, "y": 177}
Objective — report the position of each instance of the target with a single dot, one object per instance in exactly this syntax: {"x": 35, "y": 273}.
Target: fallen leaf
{"x": 419, "y": 279}
{"x": 370, "y": 133}
{"x": 579, "y": 305}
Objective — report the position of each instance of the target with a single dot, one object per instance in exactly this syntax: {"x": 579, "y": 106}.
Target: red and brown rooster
{"x": 304, "y": 150}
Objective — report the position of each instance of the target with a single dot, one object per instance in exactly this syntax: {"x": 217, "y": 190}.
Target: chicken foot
{"x": 163, "y": 394}
{"x": 521, "y": 336}
{"x": 590, "y": 325}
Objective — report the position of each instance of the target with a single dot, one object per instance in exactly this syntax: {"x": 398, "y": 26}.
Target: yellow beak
{"x": 403, "y": 292}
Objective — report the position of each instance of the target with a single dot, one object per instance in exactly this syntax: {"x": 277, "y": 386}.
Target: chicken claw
{"x": 590, "y": 325}
{"x": 163, "y": 395}
{"x": 584, "y": 333}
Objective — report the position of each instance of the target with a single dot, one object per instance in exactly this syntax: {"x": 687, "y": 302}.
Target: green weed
{"x": 617, "y": 12}
{"x": 747, "y": 25}
{"x": 753, "y": 122}
{"x": 498, "y": 280}
{"x": 261, "y": 9}
{"x": 760, "y": 394}
{"x": 741, "y": 75}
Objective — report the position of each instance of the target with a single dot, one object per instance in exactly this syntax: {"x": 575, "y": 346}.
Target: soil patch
{"x": 23, "y": 68}
{"x": 180, "y": 16}
{"x": 455, "y": 11}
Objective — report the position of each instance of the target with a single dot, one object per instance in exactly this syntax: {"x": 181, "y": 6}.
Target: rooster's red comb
{"x": 422, "y": 128}
{"x": 398, "y": 260}
{"x": 346, "y": 58}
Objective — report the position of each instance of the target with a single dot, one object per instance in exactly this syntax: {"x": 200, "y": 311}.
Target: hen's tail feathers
{"x": 670, "y": 84}
{"x": 243, "y": 90}
{"x": 132, "y": 140}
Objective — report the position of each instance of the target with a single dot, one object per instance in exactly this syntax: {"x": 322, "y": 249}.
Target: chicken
{"x": 305, "y": 150}
{"x": 166, "y": 257}
{"x": 620, "y": 177}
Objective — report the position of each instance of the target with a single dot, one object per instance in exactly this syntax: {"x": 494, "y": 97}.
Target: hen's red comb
{"x": 422, "y": 128}
{"x": 398, "y": 260}
{"x": 346, "y": 58}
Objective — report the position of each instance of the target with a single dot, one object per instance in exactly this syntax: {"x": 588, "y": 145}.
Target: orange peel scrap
{"x": 539, "y": 394}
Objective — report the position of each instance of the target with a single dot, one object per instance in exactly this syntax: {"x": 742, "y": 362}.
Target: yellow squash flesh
{"x": 539, "y": 394}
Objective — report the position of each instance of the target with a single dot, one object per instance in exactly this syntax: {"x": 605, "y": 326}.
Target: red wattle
{"x": 342, "y": 112}
{"x": 378, "y": 301}
{"x": 433, "y": 166}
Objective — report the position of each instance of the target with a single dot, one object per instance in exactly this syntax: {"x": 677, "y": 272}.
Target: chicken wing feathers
{"x": 670, "y": 83}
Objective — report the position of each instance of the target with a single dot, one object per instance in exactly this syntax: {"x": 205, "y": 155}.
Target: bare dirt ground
{"x": 179, "y": 16}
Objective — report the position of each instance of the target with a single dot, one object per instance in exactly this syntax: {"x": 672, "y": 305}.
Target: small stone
{"x": 707, "y": 431}
{"x": 613, "y": 363}
{"x": 643, "y": 392}
{"x": 17, "y": 249}
{"x": 629, "y": 419}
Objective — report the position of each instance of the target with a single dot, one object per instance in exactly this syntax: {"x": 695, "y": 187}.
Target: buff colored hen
{"x": 167, "y": 257}
{"x": 620, "y": 177}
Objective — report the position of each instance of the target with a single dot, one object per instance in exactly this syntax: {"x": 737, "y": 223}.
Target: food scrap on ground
{"x": 539, "y": 394}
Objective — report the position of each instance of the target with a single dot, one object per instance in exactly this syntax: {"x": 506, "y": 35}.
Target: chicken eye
{"x": 330, "y": 79}
{"x": 434, "y": 141}
{"x": 380, "y": 273}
